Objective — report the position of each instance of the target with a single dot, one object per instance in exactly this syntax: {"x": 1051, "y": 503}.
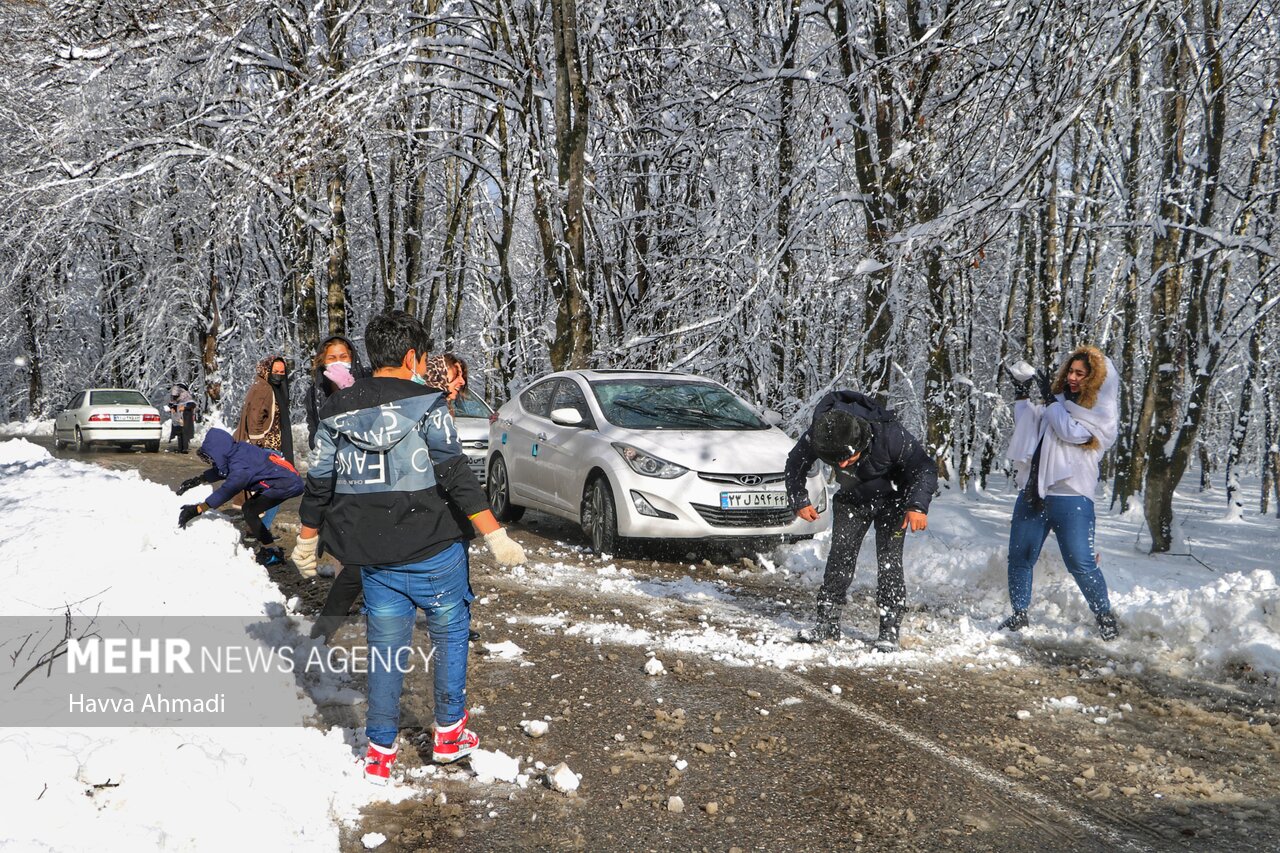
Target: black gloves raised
{"x": 189, "y": 484}
{"x": 1021, "y": 387}
{"x": 188, "y": 512}
{"x": 1046, "y": 388}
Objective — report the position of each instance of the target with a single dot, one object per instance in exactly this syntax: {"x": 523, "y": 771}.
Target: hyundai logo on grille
{"x": 751, "y": 479}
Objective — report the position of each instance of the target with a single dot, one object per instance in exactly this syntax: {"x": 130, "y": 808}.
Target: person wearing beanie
{"x": 887, "y": 480}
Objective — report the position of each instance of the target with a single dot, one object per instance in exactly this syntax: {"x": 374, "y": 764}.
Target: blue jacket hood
{"x": 217, "y": 445}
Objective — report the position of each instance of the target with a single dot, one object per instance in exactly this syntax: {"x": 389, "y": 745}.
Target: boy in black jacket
{"x": 390, "y": 492}
{"x": 886, "y": 480}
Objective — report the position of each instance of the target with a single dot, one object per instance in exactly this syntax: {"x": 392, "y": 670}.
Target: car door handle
{"x": 542, "y": 436}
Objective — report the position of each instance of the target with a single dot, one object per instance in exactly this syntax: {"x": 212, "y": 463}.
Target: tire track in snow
{"x": 983, "y": 774}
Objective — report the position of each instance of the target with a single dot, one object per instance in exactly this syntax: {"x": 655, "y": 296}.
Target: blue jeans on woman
{"x": 1071, "y": 519}
{"x": 392, "y": 594}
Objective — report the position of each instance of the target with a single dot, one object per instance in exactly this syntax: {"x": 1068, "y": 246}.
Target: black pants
{"x": 258, "y": 504}
{"x": 851, "y": 522}
{"x": 342, "y": 594}
{"x": 188, "y": 429}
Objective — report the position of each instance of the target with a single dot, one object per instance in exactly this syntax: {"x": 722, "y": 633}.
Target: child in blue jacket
{"x": 266, "y": 475}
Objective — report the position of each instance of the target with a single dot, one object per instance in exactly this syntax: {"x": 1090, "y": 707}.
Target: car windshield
{"x": 117, "y": 398}
{"x": 672, "y": 404}
{"x": 470, "y": 407}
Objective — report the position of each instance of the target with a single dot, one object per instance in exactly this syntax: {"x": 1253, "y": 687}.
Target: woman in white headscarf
{"x": 1056, "y": 445}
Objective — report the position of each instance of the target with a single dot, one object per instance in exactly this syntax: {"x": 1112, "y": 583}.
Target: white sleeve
{"x": 1026, "y": 431}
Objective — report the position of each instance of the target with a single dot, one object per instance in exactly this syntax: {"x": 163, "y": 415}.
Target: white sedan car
{"x": 635, "y": 454}
{"x": 108, "y": 416}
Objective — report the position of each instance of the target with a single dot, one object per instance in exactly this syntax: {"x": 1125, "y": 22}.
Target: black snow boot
{"x": 827, "y": 626}
{"x": 888, "y": 639}
{"x": 1016, "y": 622}
{"x": 1107, "y": 626}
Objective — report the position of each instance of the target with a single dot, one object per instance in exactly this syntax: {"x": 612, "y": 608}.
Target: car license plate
{"x": 752, "y": 500}
{"x": 127, "y": 418}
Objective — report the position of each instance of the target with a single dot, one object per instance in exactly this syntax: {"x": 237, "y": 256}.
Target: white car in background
{"x": 645, "y": 455}
{"x": 118, "y": 416}
{"x": 472, "y": 417}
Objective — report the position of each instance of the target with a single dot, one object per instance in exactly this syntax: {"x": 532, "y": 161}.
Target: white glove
{"x": 304, "y": 556}
{"x": 505, "y": 550}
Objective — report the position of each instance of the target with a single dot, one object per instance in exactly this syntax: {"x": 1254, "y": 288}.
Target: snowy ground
{"x": 1212, "y": 605}
{"x": 1189, "y": 616}
{"x": 75, "y": 531}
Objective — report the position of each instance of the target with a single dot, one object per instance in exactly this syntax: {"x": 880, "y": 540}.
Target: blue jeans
{"x": 1071, "y": 520}
{"x": 392, "y": 594}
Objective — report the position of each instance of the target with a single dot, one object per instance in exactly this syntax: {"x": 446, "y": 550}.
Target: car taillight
{"x": 151, "y": 419}
{"x": 99, "y": 418}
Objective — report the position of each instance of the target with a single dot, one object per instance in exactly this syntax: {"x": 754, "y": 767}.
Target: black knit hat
{"x": 837, "y": 435}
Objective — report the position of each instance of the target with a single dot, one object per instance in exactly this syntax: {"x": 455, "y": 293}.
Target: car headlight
{"x": 647, "y": 464}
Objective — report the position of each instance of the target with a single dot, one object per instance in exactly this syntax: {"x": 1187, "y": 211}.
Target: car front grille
{"x": 743, "y": 479}
{"x": 771, "y": 517}
{"x": 476, "y": 463}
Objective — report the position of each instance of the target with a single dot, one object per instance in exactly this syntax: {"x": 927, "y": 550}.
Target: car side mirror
{"x": 771, "y": 417}
{"x": 566, "y": 417}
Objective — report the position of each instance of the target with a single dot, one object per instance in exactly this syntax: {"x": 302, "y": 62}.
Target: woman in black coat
{"x": 335, "y": 366}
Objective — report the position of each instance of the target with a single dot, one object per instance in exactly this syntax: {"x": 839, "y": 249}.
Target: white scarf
{"x": 1061, "y": 461}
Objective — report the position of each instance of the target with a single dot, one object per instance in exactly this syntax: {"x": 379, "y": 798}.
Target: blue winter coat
{"x": 245, "y": 467}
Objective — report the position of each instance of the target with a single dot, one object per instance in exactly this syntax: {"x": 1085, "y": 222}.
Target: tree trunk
{"x": 31, "y": 340}
{"x": 939, "y": 390}
{"x": 1131, "y": 444}
{"x": 1050, "y": 279}
{"x": 787, "y": 325}
{"x": 208, "y": 336}
{"x": 574, "y": 323}
{"x": 1177, "y": 426}
{"x": 337, "y": 271}
{"x": 383, "y": 239}
{"x": 1164, "y": 374}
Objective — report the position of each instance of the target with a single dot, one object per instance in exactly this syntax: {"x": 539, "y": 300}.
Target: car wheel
{"x": 153, "y": 447}
{"x": 600, "y": 518}
{"x": 58, "y": 444}
{"x": 499, "y": 488}
{"x": 81, "y": 445}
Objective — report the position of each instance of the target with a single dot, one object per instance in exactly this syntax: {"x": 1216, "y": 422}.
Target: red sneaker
{"x": 377, "y": 763}
{"x": 455, "y": 742}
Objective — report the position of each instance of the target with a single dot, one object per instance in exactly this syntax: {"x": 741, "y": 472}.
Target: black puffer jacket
{"x": 895, "y": 463}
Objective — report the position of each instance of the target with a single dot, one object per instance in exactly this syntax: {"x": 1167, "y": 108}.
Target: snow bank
{"x": 1174, "y": 612}
{"x": 109, "y": 540}
{"x": 31, "y": 427}
{"x": 20, "y": 452}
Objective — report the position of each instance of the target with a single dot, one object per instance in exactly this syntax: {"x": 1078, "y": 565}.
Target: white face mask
{"x": 345, "y": 364}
